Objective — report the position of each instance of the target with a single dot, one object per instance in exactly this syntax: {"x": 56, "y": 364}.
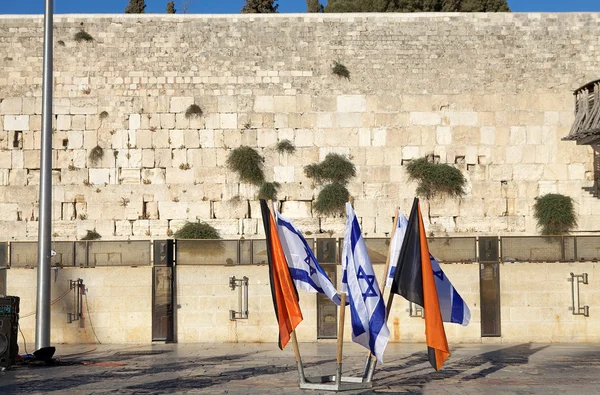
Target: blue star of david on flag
{"x": 307, "y": 260}
{"x": 370, "y": 279}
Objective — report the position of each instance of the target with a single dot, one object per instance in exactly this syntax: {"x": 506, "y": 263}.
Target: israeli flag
{"x": 396, "y": 246}
{"x": 453, "y": 307}
{"x": 367, "y": 309}
{"x": 305, "y": 270}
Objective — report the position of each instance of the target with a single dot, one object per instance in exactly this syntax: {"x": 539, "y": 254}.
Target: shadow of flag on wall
{"x": 414, "y": 281}
{"x": 283, "y": 290}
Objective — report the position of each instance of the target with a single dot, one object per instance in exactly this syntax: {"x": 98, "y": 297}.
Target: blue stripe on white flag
{"x": 367, "y": 309}
{"x": 305, "y": 270}
{"x": 453, "y": 307}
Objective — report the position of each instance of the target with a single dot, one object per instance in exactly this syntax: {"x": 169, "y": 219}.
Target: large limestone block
{"x": 351, "y": 103}
{"x": 84, "y": 105}
{"x": 11, "y": 106}
{"x": 283, "y": 174}
{"x": 425, "y": 118}
{"x": 179, "y": 176}
{"x": 172, "y": 210}
{"x": 296, "y": 209}
{"x": 284, "y": 104}
{"x": 129, "y": 176}
{"x": 264, "y": 104}
{"x": 8, "y": 211}
{"x": 348, "y": 120}
{"x": 180, "y": 104}
{"x": 100, "y": 176}
{"x": 443, "y": 135}
{"x": 16, "y": 122}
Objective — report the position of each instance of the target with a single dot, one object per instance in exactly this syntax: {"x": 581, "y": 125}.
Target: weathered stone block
{"x": 16, "y": 122}
{"x": 180, "y": 104}
{"x": 264, "y": 104}
{"x": 351, "y": 103}
{"x": 11, "y": 106}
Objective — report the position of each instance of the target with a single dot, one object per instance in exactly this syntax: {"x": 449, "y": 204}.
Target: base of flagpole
{"x": 329, "y": 383}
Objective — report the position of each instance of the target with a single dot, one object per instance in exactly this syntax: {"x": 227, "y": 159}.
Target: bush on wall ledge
{"x": 436, "y": 179}
{"x": 555, "y": 214}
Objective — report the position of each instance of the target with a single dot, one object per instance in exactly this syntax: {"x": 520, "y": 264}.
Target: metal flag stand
{"x": 336, "y": 382}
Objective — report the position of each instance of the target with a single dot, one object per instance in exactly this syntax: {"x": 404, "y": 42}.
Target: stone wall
{"x": 535, "y": 299}
{"x": 118, "y": 305}
{"x": 488, "y": 93}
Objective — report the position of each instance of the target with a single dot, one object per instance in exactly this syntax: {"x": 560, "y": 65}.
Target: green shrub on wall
{"x": 436, "y": 179}
{"x": 197, "y": 230}
{"x": 268, "y": 190}
{"x": 555, "y": 214}
{"x": 335, "y": 170}
{"x": 332, "y": 199}
{"x": 247, "y": 162}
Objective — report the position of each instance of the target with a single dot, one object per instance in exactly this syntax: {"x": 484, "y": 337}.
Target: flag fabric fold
{"x": 283, "y": 291}
{"x": 453, "y": 307}
{"x": 414, "y": 280}
{"x": 396, "y": 245}
{"x": 304, "y": 268}
{"x": 367, "y": 309}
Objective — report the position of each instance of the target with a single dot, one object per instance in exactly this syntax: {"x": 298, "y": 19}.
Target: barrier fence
{"x": 328, "y": 250}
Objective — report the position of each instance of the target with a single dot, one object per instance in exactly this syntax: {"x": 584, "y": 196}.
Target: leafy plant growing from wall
{"x": 340, "y": 70}
{"x": 96, "y": 154}
{"x": 331, "y": 199}
{"x": 268, "y": 190}
{"x": 555, "y": 214}
{"x": 248, "y": 163}
{"x": 193, "y": 111}
{"x": 336, "y": 171}
{"x": 285, "y": 146}
{"x": 436, "y": 179}
{"x": 197, "y": 230}
{"x": 83, "y": 36}
{"x": 91, "y": 235}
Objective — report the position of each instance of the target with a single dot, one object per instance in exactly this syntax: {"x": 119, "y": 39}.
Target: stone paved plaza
{"x": 263, "y": 369}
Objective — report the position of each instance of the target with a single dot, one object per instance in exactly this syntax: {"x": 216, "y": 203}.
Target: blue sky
{"x": 234, "y": 6}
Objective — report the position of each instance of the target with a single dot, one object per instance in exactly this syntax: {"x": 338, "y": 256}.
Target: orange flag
{"x": 283, "y": 290}
{"x": 414, "y": 280}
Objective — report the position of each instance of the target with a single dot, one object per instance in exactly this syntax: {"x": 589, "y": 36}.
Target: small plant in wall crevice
{"x": 83, "y": 36}
{"x": 96, "y": 154}
{"x": 193, "y": 111}
{"x": 555, "y": 214}
{"x": 285, "y": 146}
{"x": 91, "y": 235}
{"x": 332, "y": 199}
{"x": 340, "y": 70}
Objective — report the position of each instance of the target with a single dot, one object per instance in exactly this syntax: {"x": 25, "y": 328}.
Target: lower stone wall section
{"x": 535, "y": 299}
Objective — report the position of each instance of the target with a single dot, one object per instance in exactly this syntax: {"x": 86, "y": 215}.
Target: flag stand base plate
{"x": 330, "y": 383}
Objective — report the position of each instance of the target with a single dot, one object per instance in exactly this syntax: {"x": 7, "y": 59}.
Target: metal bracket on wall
{"x": 242, "y": 286}
{"x": 578, "y": 279}
{"x": 79, "y": 288}
{"x": 414, "y": 310}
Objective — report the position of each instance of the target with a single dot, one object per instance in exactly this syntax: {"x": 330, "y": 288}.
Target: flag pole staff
{"x": 371, "y": 360}
{"x": 42, "y": 320}
{"x": 340, "y": 336}
{"x": 293, "y": 334}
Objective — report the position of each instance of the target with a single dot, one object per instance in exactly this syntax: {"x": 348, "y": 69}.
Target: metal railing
{"x": 327, "y": 250}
